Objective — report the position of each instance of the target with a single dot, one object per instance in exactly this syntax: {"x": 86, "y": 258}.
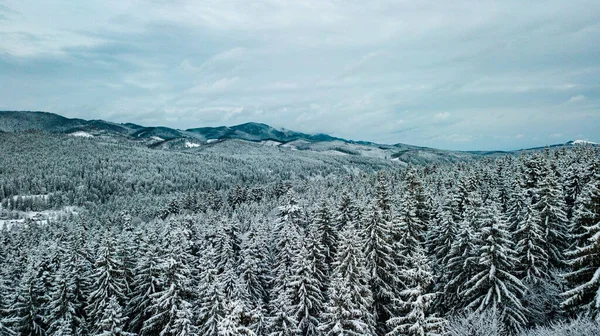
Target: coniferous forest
{"x": 275, "y": 242}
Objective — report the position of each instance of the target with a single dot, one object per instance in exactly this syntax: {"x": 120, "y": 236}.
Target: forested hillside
{"x": 255, "y": 240}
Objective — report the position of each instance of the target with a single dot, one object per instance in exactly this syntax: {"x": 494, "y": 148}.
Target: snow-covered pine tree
{"x": 67, "y": 304}
{"x": 495, "y": 285}
{"x": 146, "y": 282}
{"x": 210, "y": 302}
{"x": 409, "y": 231}
{"x": 532, "y": 259}
{"x": 232, "y": 323}
{"x": 171, "y": 307}
{"x": 326, "y": 232}
{"x": 254, "y": 269}
{"x": 517, "y": 205}
{"x": 348, "y": 311}
{"x": 109, "y": 282}
{"x": 380, "y": 266}
{"x": 26, "y": 313}
{"x": 415, "y": 318}
{"x": 462, "y": 261}
{"x": 553, "y": 219}
{"x": 441, "y": 236}
{"x": 347, "y": 213}
{"x": 305, "y": 295}
{"x": 584, "y": 213}
{"x": 584, "y": 279}
{"x": 112, "y": 322}
{"x": 286, "y": 248}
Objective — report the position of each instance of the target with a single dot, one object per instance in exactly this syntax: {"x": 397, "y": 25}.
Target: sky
{"x": 459, "y": 74}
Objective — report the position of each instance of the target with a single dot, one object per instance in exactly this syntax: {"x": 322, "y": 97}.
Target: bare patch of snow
{"x": 211, "y": 140}
{"x": 271, "y": 143}
{"x": 39, "y": 217}
{"x": 191, "y": 145}
{"x": 157, "y": 138}
{"x": 81, "y": 134}
{"x": 583, "y": 142}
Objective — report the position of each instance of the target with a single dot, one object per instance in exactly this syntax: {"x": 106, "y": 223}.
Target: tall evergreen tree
{"x": 109, "y": 282}
{"x": 495, "y": 286}
{"x": 112, "y": 321}
{"x": 348, "y": 311}
{"x": 380, "y": 266}
{"x": 306, "y": 299}
{"x": 26, "y": 313}
{"x": 415, "y": 317}
{"x": 532, "y": 259}
{"x": 553, "y": 220}
{"x": 171, "y": 307}
{"x": 584, "y": 260}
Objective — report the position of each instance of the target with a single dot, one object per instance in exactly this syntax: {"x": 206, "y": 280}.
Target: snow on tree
{"x": 232, "y": 323}
{"x": 326, "y": 232}
{"x": 517, "y": 206}
{"x": 532, "y": 259}
{"x": 286, "y": 247}
{"x": 441, "y": 236}
{"x": 585, "y": 260}
{"x": 415, "y": 318}
{"x": 171, "y": 307}
{"x": 348, "y": 311}
{"x": 109, "y": 282}
{"x": 67, "y": 304}
{"x": 305, "y": 296}
{"x": 380, "y": 266}
{"x": 347, "y": 213}
{"x": 146, "y": 282}
{"x": 254, "y": 269}
{"x": 211, "y": 300}
{"x": 26, "y": 313}
{"x": 495, "y": 285}
{"x": 553, "y": 219}
{"x": 112, "y": 321}
{"x": 409, "y": 234}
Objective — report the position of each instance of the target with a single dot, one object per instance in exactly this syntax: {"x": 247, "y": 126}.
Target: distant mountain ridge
{"x": 199, "y": 138}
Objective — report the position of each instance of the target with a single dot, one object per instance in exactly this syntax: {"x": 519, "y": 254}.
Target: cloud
{"x": 575, "y": 99}
{"x": 424, "y": 73}
{"x": 442, "y": 116}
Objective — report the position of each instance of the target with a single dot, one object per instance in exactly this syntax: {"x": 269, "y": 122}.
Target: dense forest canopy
{"x": 113, "y": 238}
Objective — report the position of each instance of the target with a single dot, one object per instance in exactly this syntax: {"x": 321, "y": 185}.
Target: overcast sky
{"x": 447, "y": 74}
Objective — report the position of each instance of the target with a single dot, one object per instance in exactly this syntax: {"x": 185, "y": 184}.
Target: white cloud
{"x": 577, "y": 98}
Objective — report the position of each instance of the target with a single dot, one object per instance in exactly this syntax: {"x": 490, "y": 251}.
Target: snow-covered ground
{"x": 211, "y": 140}
{"x": 583, "y": 142}
{"x": 40, "y": 217}
{"x": 81, "y": 134}
{"x": 191, "y": 145}
{"x": 271, "y": 143}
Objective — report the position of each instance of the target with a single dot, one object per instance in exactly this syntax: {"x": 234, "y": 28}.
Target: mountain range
{"x": 199, "y": 138}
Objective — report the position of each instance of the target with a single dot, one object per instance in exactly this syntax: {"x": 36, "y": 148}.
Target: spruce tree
{"x": 380, "y": 266}
{"x": 171, "y": 307}
{"x": 415, "y": 318}
{"x": 109, "y": 282}
{"x": 348, "y": 311}
{"x": 211, "y": 301}
{"x": 495, "y": 285}
{"x": 112, "y": 321}
{"x": 146, "y": 282}
{"x": 584, "y": 294}
{"x": 306, "y": 299}
{"x": 532, "y": 259}
{"x": 553, "y": 220}
{"x": 26, "y": 313}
